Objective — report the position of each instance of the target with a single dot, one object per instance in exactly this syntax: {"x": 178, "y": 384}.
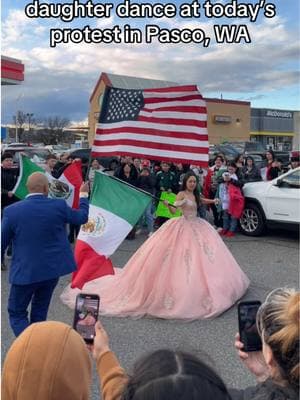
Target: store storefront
{"x": 273, "y": 128}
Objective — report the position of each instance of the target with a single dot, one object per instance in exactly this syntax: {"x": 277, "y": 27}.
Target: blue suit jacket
{"x": 37, "y": 228}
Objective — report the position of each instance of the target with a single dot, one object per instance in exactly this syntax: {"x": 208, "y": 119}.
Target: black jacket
{"x": 146, "y": 183}
{"x": 9, "y": 177}
{"x": 267, "y": 390}
{"x": 252, "y": 175}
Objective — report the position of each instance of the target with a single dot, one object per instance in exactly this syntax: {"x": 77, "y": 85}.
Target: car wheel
{"x": 252, "y": 220}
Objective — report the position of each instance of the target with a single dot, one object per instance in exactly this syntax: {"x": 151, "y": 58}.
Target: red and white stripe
{"x": 172, "y": 126}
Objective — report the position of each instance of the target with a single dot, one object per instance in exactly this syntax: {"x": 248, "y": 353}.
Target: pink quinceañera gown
{"x": 183, "y": 271}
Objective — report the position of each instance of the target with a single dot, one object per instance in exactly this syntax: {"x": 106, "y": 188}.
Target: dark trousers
{"x": 20, "y": 296}
{"x": 74, "y": 230}
{"x": 218, "y": 221}
{"x": 159, "y": 221}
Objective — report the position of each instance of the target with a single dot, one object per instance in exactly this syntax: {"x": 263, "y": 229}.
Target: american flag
{"x": 167, "y": 124}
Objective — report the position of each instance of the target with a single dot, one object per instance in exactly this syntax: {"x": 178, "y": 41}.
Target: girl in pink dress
{"x": 183, "y": 271}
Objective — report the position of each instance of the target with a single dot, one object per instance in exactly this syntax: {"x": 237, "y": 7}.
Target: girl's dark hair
{"x": 238, "y": 157}
{"x": 232, "y": 164}
{"x": 272, "y": 153}
{"x": 250, "y": 158}
{"x": 196, "y": 191}
{"x": 220, "y": 157}
{"x": 173, "y": 375}
{"x": 133, "y": 171}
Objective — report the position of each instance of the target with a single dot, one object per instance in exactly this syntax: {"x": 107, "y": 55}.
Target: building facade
{"x": 296, "y": 141}
{"x": 227, "y": 120}
{"x": 273, "y": 128}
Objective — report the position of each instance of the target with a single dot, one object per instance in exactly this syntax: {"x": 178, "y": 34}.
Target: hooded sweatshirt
{"x": 48, "y": 361}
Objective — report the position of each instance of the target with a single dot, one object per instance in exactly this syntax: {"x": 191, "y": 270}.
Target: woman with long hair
{"x": 273, "y": 169}
{"x": 276, "y": 367}
{"x": 163, "y": 374}
{"x": 250, "y": 173}
{"x": 184, "y": 270}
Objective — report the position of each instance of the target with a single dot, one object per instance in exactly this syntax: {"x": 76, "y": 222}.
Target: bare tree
{"x": 19, "y": 121}
{"x": 53, "y": 132}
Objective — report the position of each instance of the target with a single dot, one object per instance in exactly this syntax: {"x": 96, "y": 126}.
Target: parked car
{"x": 271, "y": 203}
{"x": 257, "y": 149}
{"x": 232, "y": 150}
{"x": 109, "y": 163}
{"x": 57, "y": 149}
{"x": 8, "y": 146}
{"x": 36, "y": 154}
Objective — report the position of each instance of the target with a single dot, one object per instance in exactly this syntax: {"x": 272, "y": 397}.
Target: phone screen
{"x": 247, "y": 325}
{"x": 86, "y": 315}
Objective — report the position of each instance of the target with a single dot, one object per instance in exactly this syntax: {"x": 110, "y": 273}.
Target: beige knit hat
{"x": 48, "y": 361}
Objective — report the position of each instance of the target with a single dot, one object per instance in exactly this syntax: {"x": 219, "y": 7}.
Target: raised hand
{"x": 254, "y": 360}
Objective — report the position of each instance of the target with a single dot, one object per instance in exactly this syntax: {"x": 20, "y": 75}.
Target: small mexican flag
{"x": 27, "y": 167}
{"x": 114, "y": 209}
{"x": 66, "y": 187}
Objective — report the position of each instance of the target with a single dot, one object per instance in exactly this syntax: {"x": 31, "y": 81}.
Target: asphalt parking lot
{"x": 270, "y": 261}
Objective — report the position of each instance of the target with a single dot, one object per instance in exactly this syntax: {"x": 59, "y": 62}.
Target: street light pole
{"x": 16, "y": 121}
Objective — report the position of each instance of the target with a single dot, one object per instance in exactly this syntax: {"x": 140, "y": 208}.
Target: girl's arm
{"x": 209, "y": 201}
{"x": 180, "y": 201}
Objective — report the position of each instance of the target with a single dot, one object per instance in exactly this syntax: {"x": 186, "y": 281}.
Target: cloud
{"x": 60, "y": 80}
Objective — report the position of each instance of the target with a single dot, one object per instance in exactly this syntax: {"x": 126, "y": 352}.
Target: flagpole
{"x": 134, "y": 187}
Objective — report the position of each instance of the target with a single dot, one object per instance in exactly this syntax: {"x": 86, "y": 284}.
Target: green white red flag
{"x": 114, "y": 210}
{"x": 66, "y": 187}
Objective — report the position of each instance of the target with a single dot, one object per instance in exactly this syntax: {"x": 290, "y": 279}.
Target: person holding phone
{"x": 276, "y": 367}
{"x": 183, "y": 271}
{"x": 163, "y": 374}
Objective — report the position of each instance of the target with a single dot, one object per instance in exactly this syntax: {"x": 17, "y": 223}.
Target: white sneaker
{"x": 219, "y": 230}
{"x": 150, "y": 234}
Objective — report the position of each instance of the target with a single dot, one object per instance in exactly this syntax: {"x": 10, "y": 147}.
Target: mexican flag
{"x": 27, "y": 167}
{"x": 114, "y": 209}
{"x": 65, "y": 187}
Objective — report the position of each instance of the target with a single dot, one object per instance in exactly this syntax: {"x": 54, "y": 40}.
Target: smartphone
{"x": 249, "y": 336}
{"x": 86, "y": 315}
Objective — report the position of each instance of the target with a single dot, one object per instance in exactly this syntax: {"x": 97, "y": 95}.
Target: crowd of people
{"x": 189, "y": 246}
{"x": 222, "y": 180}
{"x": 50, "y": 360}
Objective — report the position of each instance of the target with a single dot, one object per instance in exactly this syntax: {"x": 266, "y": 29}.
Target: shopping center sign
{"x": 279, "y": 114}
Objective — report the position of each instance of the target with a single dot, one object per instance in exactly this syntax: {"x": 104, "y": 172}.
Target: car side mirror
{"x": 279, "y": 182}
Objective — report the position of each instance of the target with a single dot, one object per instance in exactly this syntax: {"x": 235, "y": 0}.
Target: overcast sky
{"x": 60, "y": 80}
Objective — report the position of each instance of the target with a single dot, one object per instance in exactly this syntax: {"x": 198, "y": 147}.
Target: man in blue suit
{"x": 41, "y": 250}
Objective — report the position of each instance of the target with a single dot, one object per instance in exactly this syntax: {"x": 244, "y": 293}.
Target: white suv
{"x": 275, "y": 201}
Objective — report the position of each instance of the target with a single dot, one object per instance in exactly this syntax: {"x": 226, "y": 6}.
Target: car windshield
{"x": 59, "y": 147}
{"x": 227, "y": 149}
{"x": 254, "y": 146}
{"x": 293, "y": 179}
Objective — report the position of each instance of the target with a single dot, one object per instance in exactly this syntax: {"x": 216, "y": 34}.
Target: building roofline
{"x": 15, "y": 60}
{"x": 106, "y": 80}
{"x": 274, "y": 109}
{"x": 213, "y": 100}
